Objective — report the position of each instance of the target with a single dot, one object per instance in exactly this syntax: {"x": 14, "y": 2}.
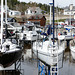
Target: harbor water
{"x": 29, "y": 64}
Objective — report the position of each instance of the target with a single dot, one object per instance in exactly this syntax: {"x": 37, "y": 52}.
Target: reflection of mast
{"x": 1, "y": 22}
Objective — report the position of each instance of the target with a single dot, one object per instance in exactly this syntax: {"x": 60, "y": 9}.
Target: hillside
{"x": 16, "y": 5}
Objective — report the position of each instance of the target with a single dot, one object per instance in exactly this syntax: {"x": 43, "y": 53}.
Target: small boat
{"x": 72, "y": 48}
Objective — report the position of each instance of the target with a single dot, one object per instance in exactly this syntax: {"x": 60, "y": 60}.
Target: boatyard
{"x": 35, "y": 39}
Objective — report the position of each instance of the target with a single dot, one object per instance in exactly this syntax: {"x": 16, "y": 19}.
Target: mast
{"x": 51, "y": 4}
{"x": 6, "y": 11}
{"x": 1, "y": 22}
{"x": 53, "y": 23}
{"x": 6, "y": 19}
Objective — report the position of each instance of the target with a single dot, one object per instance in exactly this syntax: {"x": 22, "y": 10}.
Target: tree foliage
{"x": 16, "y": 5}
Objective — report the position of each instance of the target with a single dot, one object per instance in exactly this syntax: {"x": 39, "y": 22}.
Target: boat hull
{"x": 7, "y": 59}
{"x": 47, "y": 58}
{"x": 73, "y": 53}
{"x": 32, "y": 38}
{"x": 72, "y": 48}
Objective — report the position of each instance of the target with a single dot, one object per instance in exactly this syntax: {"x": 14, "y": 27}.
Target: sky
{"x": 59, "y": 3}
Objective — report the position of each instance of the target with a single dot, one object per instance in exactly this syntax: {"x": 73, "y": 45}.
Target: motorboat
{"x": 29, "y": 33}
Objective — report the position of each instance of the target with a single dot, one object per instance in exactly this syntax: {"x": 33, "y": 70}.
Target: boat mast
{"x": 6, "y": 19}
{"x": 1, "y": 22}
{"x": 6, "y": 11}
{"x": 51, "y": 4}
{"x": 53, "y": 23}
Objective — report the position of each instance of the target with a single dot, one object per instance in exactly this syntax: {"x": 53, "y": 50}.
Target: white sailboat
{"x": 9, "y": 52}
{"x": 48, "y": 50}
{"x": 45, "y": 52}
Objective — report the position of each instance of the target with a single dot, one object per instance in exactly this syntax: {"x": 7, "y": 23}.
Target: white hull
{"x": 72, "y": 48}
{"x": 28, "y": 35}
{"x": 47, "y": 58}
{"x": 73, "y": 54}
{"x": 46, "y": 55}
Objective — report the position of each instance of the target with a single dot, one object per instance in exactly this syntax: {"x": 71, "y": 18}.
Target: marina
{"x": 34, "y": 45}
{"x": 30, "y": 64}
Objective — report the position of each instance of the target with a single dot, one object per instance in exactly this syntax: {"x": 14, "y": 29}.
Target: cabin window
{"x": 35, "y": 11}
{"x": 11, "y": 13}
{"x": 31, "y": 11}
{"x": 27, "y": 11}
{"x": 67, "y": 13}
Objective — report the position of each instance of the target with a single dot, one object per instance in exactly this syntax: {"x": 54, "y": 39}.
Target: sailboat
{"x": 9, "y": 52}
{"x": 47, "y": 50}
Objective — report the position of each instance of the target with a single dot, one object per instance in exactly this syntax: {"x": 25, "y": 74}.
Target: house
{"x": 14, "y": 13}
{"x": 72, "y": 21}
{"x": 33, "y": 11}
{"x": 69, "y": 10}
{"x": 38, "y": 20}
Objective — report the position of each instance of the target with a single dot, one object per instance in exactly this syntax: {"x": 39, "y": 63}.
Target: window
{"x": 67, "y": 13}
{"x": 27, "y": 11}
{"x": 31, "y": 11}
{"x": 35, "y": 11}
{"x": 11, "y": 13}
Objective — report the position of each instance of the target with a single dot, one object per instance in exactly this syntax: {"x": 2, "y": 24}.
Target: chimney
{"x": 71, "y": 6}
